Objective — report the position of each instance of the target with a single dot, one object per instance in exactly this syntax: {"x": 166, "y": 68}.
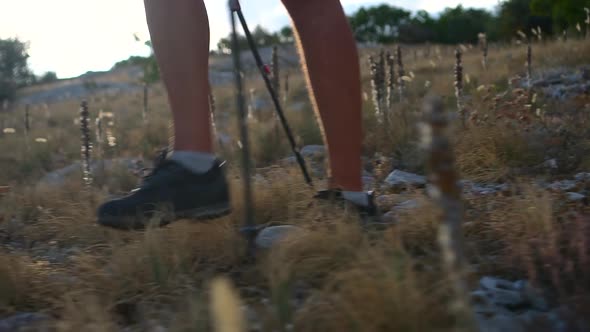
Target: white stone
{"x": 575, "y": 197}
{"x": 313, "y": 150}
{"x": 399, "y": 179}
{"x": 270, "y": 236}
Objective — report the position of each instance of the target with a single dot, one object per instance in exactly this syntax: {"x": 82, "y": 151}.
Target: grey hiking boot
{"x": 168, "y": 193}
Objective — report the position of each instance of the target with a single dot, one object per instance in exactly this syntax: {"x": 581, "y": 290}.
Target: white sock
{"x": 198, "y": 162}
{"x": 359, "y": 198}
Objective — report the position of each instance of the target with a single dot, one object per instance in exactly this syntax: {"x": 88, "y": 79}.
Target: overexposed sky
{"x": 72, "y": 37}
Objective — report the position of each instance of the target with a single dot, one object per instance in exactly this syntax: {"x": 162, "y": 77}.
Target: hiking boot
{"x": 368, "y": 211}
{"x": 168, "y": 193}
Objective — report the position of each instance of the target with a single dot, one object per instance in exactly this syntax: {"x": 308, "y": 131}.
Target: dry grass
{"x": 333, "y": 275}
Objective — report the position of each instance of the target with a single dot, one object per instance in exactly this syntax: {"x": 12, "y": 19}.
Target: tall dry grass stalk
{"x": 276, "y": 84}
{"x": 378, "y": 86}
{"x": 587, "y": 21}
{"x": 213, "y": 111}
{"x": 99, "y": 130}
{"x": 528, "y": 65}
{"x": 538, "y": 33}
{"x": 400, "y": 72}
{"x": 27, "y": 125}
{"x": 226, "y": 307}
{"x": 86, "y": 143}
{"x": 27, "y": 119}
{"x": 276, "y": 72}
{"x": 144, "y": 112}
{"x": 459, "y": 86}
{"x": 390, "y": 61}
{"x": 286, "y": 88}
{"x": 483, "y": 44}
{"x": 446, "y": 190}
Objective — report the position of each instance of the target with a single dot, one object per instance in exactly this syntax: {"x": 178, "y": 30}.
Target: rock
{"x": 531, "y": 295}
{"x": 313, "y": 151}
{"x": 270, "y": 236}
{"x": 491, "y": 283}
{"x": 389, "y": 218}
{"x": 564, "y": 185}
{"x": 58, "y": 177}
{"x": 502, "y": 292}
{"x": 400, "y": 179}
{"x": 582, "y": 177}
{"x": 550, "y": 164}
{"x": 385, "y": 202}
{"x": 575, "y": 197}
{"x": 23, "y": 320}
{"x": 530, "y": 317}
{"x": 499, "y": 323}
{"x": 406, "y": 205}
{"x": 482, "y": 189}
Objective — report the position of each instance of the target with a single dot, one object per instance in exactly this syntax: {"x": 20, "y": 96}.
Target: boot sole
{"x": 205, "y": 213}
{"x": 199, "y": 214}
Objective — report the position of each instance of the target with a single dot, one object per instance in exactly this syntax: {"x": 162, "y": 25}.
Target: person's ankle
{"x": 195, "y": 161}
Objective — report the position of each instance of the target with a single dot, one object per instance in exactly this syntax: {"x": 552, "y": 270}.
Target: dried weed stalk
{"x": 391, "y": 77}
{"x": 145, "y": 102}
{"x": 483, "y": 44}
{"x": 400, "y": 72}
{"x": 276, "y": 74}
{"x": 378, "y": 93}
{"x": 446, "y": 191}
{"x": 86, "y": 143}
{"x": 459, "y": 85}
{"x": 529, "y": 61}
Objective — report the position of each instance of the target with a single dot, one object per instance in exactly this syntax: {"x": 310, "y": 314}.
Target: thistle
{"x": 459, "y": 85}
{"x": 446, "y": 190}
{"x": 400, "y": 72}
{"x": 86, "y": 143}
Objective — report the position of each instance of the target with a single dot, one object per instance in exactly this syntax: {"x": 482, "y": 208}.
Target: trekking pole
{"x": 249, "y": 229}
{"x": 235, "y": 7}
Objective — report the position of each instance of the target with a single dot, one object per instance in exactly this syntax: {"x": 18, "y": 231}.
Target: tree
{"x": 261, "y": 37}
{"x": 379, "y": 24}
{"x": 460, "y": 25}
{"x": 516, "y": 15}
{"x": 564, "y": 13}
{"x": 421, "y": 28}
{"x": 48, "y": 77}
{"x": 286, "y": 34}
{"x": 14, "y": 69}
{"x": 149, "y": 65}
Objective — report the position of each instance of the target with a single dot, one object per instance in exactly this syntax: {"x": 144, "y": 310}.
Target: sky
{"x": 71, "y": 37}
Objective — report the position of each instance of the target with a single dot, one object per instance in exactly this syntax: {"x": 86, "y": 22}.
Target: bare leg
{"x": 330, "y": 58}
{"x": 179, "y": 31}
